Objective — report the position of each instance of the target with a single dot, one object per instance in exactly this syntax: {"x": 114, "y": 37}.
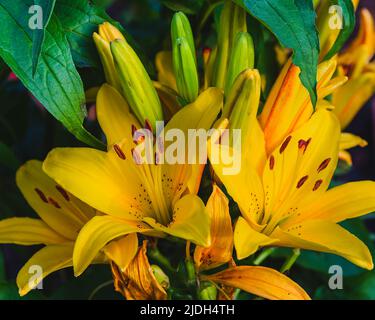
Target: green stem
{"x": 290, "y": 261}
{"x": 263, "y": 256}
{"x": 156, "y": 255}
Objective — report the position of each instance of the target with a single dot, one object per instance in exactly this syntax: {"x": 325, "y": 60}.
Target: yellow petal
{"x": 104, "y": 180}
{"x": 137, "y": 281}
{"x": 169, "y": 99}
{"x": 114, "y": 116}
{"x": 247, "y": 241}
{"x": 347, "y": 201}
{"x": 58, "y": 208}
{"x": 301, "y": 168}
{"x": 241, "y": 181}
{"x": 50, "y": 258}
{"x": 164, "y": 67}
{"x": 261, "y": 281}
{"x": 325, "y": 236}
{"x": 348, "y": 141}
{"x": 200, "y": 114}
{"x": 122, "y": 251}
{"x": 191, "y": 221}
{"x": 28, "y": 231}
{"x": 93, "y": 237}
{"x": 221, "y": 248}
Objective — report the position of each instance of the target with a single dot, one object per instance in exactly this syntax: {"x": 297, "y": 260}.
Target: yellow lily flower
{"x": 260, "y": 281}
{"x": 355, "y": 64}
{"x": 137, "y": 281}
{"x": 61, "y": 218}
{"x": 221, "y": 248}
{"x": 288, "y": 204}
{"x": 288, "y": 105}
{"x": 145, "y": 198}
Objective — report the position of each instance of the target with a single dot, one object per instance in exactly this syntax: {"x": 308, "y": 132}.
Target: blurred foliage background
{"x": 27, "y": 131}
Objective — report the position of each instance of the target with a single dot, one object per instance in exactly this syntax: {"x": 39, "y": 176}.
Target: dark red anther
{"x": 54, "y": 203}
{"x": 63, "y": 192}
{"x": 324, "y": 164}
{"x": 119, "y": 152}
{"x": 302, "y": 144}
{"x": 148, "y": 125}
{"x": 285, "y": 144}
{"x": 317, "y": 184}
{"x": 301, "y": 181}
{"x": 41, "y": 195}
{"x": 272, "y": 162}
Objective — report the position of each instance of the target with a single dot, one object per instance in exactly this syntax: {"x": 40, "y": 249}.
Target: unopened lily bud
{"x": 160, "y": 276}
{"x": 180, "y": 28}
{"x": 184, "y": 58}
{"x": 232, "y": 21}
{"x": 207, "y": 292}
{"x": 242, "y": 57}
{"x": 107, "y": 34}
{"x": 136, "y": 84}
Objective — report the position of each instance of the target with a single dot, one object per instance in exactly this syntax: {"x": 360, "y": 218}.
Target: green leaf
{"x": 186, "y": 6}
{"x": 38, "y": 34}
{"x": 293, "y": 24}
{"x": 80, "y": 19}
{"x": 56, "y": 83}
{"x": 348, "y": 16}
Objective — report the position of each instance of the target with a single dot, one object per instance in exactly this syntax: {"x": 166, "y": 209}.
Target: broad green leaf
{"x": 293, "y": 24}
{"x": 348, "y": 16}
{"x": 80, "y": 19}
{"x": 38, "y": 34}
{"x": 56, "y": 83}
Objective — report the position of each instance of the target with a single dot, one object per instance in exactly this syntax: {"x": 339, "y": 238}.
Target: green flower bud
{"x": 160, "y": 276}
{"x": 232, "y": 21}
{"x": 185, "y": 70}
{"x": 180, "y": 28}
{"x": 207, "y": 291}
{"x": 136, "y": 84}
{"x": 242, "y": 57}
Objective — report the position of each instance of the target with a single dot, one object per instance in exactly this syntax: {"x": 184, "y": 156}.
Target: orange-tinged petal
{"x": 137, "y": 281}
{"x": 261, "y": 281}
{"x": 221, "y": 248}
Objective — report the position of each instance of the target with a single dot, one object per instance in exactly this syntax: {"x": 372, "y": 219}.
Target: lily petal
{"x": 191, "y": 221}
{"x": 261, "y": 281}
{"x": 348, "y": 141}
{"x": 122, "y": 251}
{"x": 28, "y": 231}
{"x": 58, "y": 208}
{"x": 325, "y": 236}
{"x": 164, "y": 67}
{"x": 114, "y": 116}
{"x": 138, "y": 281}
{"x": 301, "y": 168}
{"x": 347, "y": 201}
{"x": 108, "y": 181}
{"x": 247, "y": 241}
{"x": 50, "y": 258}
{"x": 221, "y": 247}
{"x": 93, "y": 237}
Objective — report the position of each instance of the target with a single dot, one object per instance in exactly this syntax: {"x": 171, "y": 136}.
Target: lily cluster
{"x": 103, "y": 207}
